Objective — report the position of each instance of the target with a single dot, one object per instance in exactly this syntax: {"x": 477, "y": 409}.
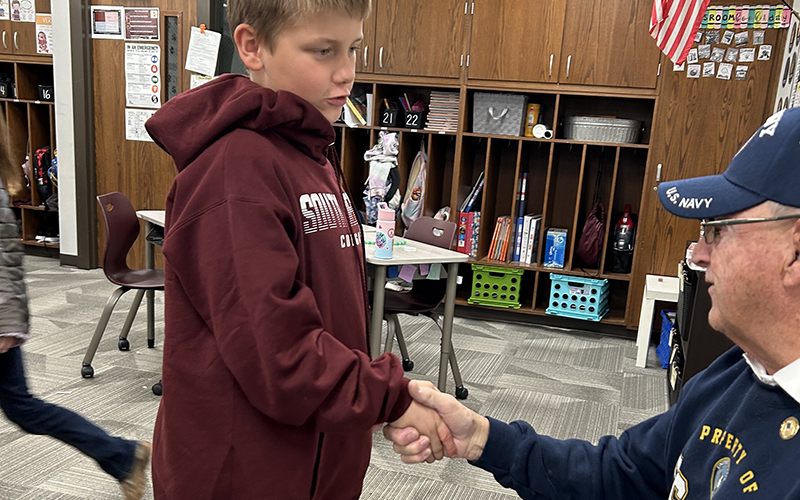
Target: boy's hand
{"x": 468, "y": 430}
{"x": 429, "y": 427}
{"x": 7, "y": 343}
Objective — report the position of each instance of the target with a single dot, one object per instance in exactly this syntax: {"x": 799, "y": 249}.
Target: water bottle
{"x": 384, "y": 234}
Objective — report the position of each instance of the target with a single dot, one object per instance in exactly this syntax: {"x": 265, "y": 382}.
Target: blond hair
{"x": 10, "y": 174}
{"x": 269, "y": 17}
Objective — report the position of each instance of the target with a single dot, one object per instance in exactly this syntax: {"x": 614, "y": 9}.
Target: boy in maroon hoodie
{"x": 268, "y": 388}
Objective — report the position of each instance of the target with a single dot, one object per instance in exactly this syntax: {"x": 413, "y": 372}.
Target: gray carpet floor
{"x": 512, "y": 371}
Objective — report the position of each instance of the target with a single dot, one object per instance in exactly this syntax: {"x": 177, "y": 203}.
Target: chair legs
{"x": 124, "y": 345}
{"x": 394, "y": 330}
{"x": 86, "y": 370}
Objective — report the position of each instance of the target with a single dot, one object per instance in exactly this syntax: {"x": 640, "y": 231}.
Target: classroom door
{"x": 696, "y": 132}
{"x": 419, "y": 37}
{"x": 607, "y": 43}
{"x": 516, "y": 40}
{"x": 138, "y": 169}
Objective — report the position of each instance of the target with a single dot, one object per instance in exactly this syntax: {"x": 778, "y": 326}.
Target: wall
{"x": 65, "y": 138}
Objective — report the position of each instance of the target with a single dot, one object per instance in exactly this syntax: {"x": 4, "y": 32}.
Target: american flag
{"x": 673, "y": 25}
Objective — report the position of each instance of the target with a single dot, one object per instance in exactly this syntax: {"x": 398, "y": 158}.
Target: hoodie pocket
{"x": 316, "y": 466}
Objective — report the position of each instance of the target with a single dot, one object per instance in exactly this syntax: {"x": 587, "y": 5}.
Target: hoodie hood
{"x": 186, "y": 125}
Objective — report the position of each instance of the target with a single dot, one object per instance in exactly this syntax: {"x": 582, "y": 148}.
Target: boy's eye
{"x": 324, "y": 52}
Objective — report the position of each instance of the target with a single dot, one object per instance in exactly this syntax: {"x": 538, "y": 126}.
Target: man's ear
{"x": 248, "y": 45}
{"x": 793, "y": 268}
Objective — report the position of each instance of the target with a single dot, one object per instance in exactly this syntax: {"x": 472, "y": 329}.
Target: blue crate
{"x": 579, "y": 298}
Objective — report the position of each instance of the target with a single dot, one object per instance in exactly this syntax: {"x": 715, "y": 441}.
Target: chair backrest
{"x": 432, "y": 231}
{"x": 122, "y": 229}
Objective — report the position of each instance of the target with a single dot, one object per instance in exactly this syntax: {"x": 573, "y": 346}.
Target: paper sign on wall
{"x": 197, "y": 80}
{"x": 134, "y": 124}
{"x": 44, "y": 34}
{"x": 143, "y": 75}
{"x": 142, "y": 24}
{"x": 203, "y": 49}
{"x": 107, "y": 22}
{"x": 23, "y": 10}
{"x": 5, "y": 15}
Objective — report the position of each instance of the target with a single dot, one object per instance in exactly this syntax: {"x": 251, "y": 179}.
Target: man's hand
{"x": 429, "y": 428}
{"x": 7, "y": 343}
{"x": 469, "y": 430}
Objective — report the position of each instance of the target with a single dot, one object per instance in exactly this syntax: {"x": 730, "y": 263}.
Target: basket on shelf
{"x": 576, "y": 297}
{"x": 601, "y": 129}
{"x": 495, "y": 286}
{"x": 500, "y": 114}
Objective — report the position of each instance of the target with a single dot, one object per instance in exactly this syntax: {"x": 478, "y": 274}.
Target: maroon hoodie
{"x": 268, "y": 388}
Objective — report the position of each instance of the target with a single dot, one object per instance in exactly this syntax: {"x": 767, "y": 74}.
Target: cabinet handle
{"x": 366, "y": 48}
{"x": 466, "y": 6}
{"x": 658, "y": 176}
{"x": 5, "y": 45}
{"x": 550, "y": 71}
{"x": 16, "y": 45}
{"x": 569, "y": 62}
{"x": 380, "y": 57}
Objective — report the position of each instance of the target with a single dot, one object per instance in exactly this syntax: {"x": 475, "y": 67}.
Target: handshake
{"x": 435, "y": 426}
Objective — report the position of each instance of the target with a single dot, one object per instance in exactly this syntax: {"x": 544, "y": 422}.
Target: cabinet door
{"x": 5, "y": 37}
{"x": 419, "y": 37}
{"x": 23, "y": 38}
{"x": 606, "y": 42}
{"x": 364, "y": 64}
{"x": 516, "y": 40}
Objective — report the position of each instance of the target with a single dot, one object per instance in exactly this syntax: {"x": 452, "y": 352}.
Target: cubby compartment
{"x": 627, "y": 189}
{"x": 547, "y": 110}
{"x": 7, "y": 79}
{"x": 354, "y": 143}
{"x": 403, "y": 119}
{"x": 598, "y": 178}
{"x": 472, "y": 166}
{"x": 562, "y": 193}
{"x": 439, "y": 178}
{"x": 29, "y": 77}
{"x": 615, "y": 107}
{"x": 17, "y": 119}
{"x": 38, "y": 225}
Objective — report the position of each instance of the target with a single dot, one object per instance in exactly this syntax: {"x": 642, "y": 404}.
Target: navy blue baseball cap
{"x": 766, "y": 168}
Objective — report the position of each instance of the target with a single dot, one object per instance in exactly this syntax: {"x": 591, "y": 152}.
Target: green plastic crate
{"x": 495, "y": 286}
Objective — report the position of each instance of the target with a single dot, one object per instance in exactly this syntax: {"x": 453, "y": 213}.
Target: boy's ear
{"x": 248, "y": 45}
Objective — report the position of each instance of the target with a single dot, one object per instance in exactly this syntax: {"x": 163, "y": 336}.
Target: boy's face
{"x": 314, "y": 59}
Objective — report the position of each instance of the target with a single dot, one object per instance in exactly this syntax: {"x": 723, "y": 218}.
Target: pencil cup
{"x": 389, "y": 118}
{"x": 414, "y": 119}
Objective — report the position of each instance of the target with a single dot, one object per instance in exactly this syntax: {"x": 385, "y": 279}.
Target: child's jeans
{"x": 113, "y": 454}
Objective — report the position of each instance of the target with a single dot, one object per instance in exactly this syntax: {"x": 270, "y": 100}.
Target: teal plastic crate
{"x": 495, "y": 286}
{"x": 579, "y": 298}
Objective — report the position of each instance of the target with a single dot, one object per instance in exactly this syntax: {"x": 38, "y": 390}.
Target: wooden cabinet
{"x": 419, "y": 37}
{"x": 5, "y": 37}
{"x": 601, "y": 43}
{"x": 366, "y": 58}
{"x": 516, "y": 40}
{"x": 22, "y": 36}
{"x": 607, "y": 43}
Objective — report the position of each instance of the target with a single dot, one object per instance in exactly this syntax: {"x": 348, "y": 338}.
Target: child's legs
{"x": 115, "y": 455}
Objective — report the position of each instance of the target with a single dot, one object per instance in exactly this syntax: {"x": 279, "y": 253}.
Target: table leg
{"x": 645, "y": 326}
{"x": 378, "y": 296}
{"x": 447, "y": 326}
{"x": 150, "y": 263}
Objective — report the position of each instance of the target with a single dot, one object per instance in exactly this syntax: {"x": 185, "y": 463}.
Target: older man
{"x": 733, "y": 432}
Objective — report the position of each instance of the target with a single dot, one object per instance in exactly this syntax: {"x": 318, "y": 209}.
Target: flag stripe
{"x": 673, "y": 24}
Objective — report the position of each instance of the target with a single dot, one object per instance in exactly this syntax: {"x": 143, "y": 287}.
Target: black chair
{"x": 424, "y": 297}
{"x": 122, "y": 229}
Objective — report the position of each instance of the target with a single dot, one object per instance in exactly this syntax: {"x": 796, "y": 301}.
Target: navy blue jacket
{"x": 722, "y": 439}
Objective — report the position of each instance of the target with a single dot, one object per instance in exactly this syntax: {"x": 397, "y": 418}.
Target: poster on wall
{"x": 107, "y": 22}
{"x": 44, "y": 34}
{"x": 203, "y": 50}
{"x": 23, "y": 11}
{"x": 142, "y": 24}
{"x": 5, "y": 15}
{"x": 143, "y": 75}
{"x": 134, "y": 124}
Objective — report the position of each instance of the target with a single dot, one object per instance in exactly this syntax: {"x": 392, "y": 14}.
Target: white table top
{"x": 154, "y": 216}
{"x": 413, "y": 252}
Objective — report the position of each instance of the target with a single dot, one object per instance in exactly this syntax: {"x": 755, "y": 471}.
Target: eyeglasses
{"x": 709, "y": 230}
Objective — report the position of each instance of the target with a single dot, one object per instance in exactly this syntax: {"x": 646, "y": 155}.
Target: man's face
{"x": 314, "y": 59}
{"x": 744, "y": 266}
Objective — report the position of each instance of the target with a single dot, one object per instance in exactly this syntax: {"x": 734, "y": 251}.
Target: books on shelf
{"x": 443, "y": 111}
{"x": 468, "y": 233}
{"x": 517, "y": 239}
{"x": 470, "y": 200}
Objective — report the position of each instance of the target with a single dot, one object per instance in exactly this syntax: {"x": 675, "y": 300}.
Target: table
{"x": 402, "y": 255}
{"x": 421, "y": 254}
{"x": 655, "y": 288}
{"x": 152, "y": 220}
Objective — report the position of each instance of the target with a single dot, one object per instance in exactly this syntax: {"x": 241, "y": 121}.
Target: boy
{"x": 268, "y": 388}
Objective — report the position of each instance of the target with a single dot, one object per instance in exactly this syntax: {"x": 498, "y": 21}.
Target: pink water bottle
{"x": 384, "y": 234}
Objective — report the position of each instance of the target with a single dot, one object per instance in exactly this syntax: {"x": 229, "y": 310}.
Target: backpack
{"x": 591, "y": 241}
{"x": 414, "y": 201}
{"x": 41, "y": 165}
